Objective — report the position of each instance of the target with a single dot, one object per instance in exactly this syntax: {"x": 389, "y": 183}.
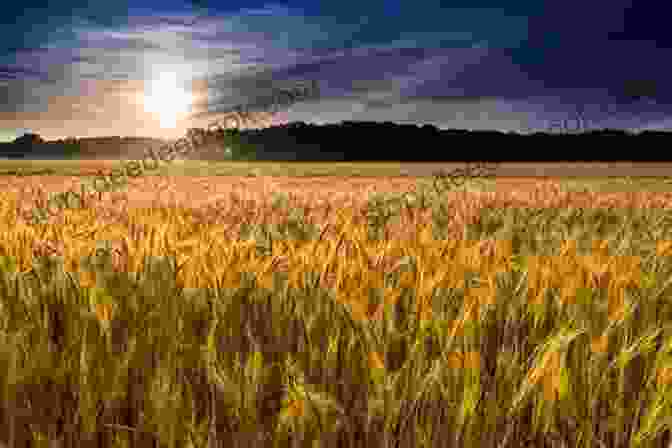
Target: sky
{"x": 158, "y": 68}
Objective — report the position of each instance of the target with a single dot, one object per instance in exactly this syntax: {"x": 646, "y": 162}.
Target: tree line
{"x": 380, "y": 141}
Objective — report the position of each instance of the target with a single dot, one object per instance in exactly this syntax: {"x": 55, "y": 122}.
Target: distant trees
{"x": 31, "y": 143}
{"x": 26, "y": 144}
{"x": 29, "y": 139}
{"x": 71, "y": 147}
{"x": 219, "y": 143}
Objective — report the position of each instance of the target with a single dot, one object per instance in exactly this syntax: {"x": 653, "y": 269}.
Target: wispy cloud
{"x": 485, "y": 67}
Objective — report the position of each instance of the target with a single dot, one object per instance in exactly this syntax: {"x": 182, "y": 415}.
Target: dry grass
{"x": 529, "y": 323}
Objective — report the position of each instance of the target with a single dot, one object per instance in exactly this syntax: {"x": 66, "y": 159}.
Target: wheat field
{"x": 281, "y": 311}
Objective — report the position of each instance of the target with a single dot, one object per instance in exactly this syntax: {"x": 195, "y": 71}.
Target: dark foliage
{"x": 375, "y": 141}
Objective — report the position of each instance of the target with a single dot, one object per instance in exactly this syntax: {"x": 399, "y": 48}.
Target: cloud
{"x": 451, "y": 66}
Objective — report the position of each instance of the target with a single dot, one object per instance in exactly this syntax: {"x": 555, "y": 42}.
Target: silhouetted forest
{"x": 375, "y": 141}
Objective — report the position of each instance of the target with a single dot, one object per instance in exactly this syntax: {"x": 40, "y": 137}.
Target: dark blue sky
{"x": 118, "y": 68}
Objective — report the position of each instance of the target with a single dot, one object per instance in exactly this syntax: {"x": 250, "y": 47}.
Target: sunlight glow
{"x": 167, "y": 99}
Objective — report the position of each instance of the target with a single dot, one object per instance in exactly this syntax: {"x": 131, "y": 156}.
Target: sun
{"x": 167, "y": 99}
